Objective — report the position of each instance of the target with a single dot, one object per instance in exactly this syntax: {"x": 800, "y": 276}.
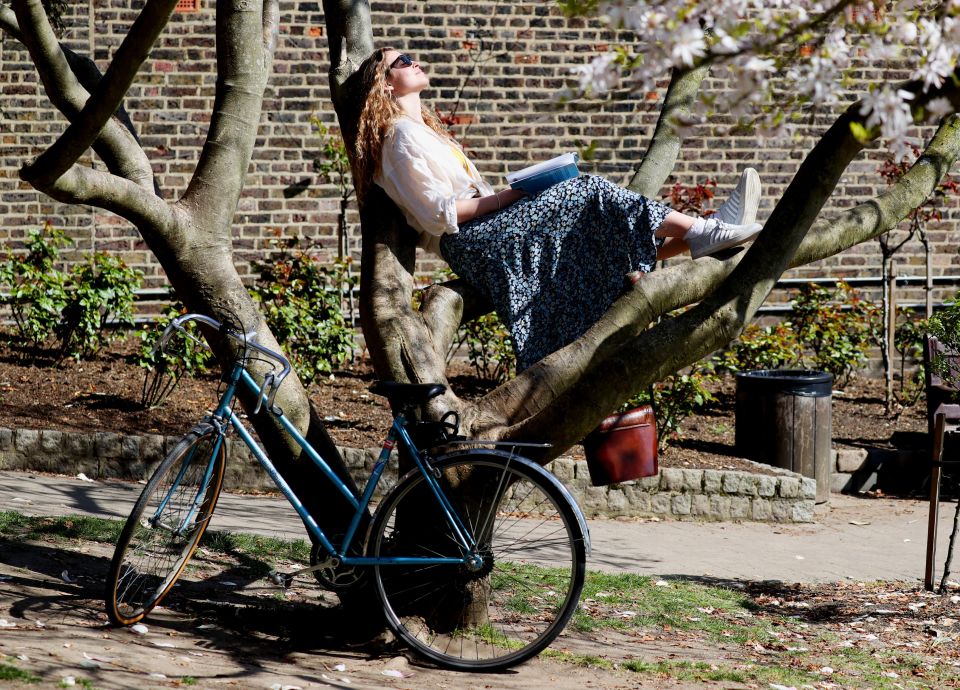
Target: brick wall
{"x": 498, "y": 65}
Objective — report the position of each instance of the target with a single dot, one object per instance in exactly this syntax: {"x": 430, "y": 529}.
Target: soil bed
{"x": 104, "y": 395}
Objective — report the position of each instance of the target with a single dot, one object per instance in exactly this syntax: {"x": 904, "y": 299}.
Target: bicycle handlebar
{"x": 271, "y": 382}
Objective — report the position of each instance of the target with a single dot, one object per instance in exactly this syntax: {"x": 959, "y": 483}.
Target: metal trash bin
{"x": 784, "y": 419}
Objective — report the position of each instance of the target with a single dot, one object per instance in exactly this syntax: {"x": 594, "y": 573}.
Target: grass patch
{"x": 10, "y": 672}
{"x": 59, "y": 529}
{"x": 75, "y": 527}
{"x": 628, "y": 602}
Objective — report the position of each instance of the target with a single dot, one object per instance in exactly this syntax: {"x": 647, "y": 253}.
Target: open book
{"x": 536, "y": 178}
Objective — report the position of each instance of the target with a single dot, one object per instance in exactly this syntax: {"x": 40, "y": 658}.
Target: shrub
{"x": 182, "y": 356}
{"x": 771, "y": 347}
{"x": 909, "y": 339}
{"x": 676, "y": 398}
{"x": 100, "y": 294}
{"x": 945, "y": 325}
{"x": 37, "y": 292}
{"x": 301, "y": 301}
{"x": 489, "y": 348}
{"x": 835, "y": 327}
{"x": 79, "y": 308}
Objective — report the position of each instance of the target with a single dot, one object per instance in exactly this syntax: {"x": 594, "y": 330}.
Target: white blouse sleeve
{"x": 428, "y": 200}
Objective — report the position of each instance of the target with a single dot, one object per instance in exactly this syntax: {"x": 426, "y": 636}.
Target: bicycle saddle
{"x": 404, "y": 394}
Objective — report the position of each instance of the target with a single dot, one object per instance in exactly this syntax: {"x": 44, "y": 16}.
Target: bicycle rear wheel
{"x": 165, "y": 526}
{"x": 527, "y": 572}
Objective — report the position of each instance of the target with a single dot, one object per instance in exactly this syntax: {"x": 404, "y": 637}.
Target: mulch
{"x": 104, "y": 394}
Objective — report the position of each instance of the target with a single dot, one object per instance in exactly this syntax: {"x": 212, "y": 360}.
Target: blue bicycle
{"x": 477, "y": 555}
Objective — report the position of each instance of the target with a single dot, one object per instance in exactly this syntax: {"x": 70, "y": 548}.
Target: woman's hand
{"x": 468, "y": 209}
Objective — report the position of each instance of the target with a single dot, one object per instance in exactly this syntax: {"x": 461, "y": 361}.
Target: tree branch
{"x": 661, "y": 156}
{"x": 82, "y": 185}
{"x": 623, "y": 355}
{"x": 64, "y": 76}
{"x": 243, "y": 67}
{"x": 105, "y": 99}
{"x": 9, "y": 24}
{"x": 350, "y": 40}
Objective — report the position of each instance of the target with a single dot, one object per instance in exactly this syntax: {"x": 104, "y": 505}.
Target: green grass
{"x": 723, "y": 614}
{"x": 73, "y": 527}
{"x": 59, "y": 529}
{"x": 10, "y": 672}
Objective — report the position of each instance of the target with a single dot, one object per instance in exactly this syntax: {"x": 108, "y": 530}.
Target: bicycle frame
{"x": 224, "y": 415}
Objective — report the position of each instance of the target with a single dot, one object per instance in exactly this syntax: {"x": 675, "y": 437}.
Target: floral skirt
{"x": 552, "y": 265}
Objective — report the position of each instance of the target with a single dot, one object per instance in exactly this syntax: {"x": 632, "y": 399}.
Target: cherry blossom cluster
{"x": 783, "y": 56}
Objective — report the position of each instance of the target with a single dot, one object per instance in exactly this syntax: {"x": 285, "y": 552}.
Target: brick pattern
{"x": 495, "y": 65}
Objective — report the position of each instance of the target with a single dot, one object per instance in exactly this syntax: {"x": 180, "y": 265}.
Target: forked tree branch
{"x": 105, "y": 99}
{"x": 58, "y": 69}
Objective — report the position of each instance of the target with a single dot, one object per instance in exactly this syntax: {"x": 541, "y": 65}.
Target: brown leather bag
{"x": 623, "y": 447}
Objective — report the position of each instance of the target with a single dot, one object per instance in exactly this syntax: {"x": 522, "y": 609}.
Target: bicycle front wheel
{"x": 521, "y": 582}
{"x": 165, "y": 526}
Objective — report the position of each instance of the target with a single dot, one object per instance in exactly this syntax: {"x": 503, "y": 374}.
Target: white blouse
{"x": 425, "y": 173}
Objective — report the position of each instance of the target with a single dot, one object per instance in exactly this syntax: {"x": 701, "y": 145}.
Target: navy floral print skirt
{"x": 552, "y": 265}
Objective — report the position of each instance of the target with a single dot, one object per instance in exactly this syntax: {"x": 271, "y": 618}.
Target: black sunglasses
{"x": 401, "y": 62}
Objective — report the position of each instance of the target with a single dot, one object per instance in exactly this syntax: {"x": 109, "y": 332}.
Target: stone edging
{"x": 674, "y": 493}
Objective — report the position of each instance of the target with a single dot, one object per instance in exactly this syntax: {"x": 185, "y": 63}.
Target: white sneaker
{"x": 718, "y": 235}
{"x": 741, "y": 207}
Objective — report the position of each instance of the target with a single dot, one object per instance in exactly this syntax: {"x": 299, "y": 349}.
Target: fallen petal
{"x": 84, "y": 478}
{"x": 139, "y": 629}
{"x": 6, "y": 624}
{"x": 65, "y": 576}
{"x": 340, "y": 667}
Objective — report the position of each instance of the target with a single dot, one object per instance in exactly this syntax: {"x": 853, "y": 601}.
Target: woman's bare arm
{"x": 468, "y": 209}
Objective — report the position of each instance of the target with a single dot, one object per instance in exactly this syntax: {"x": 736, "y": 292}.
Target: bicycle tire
{"x": 523, "y": 518}
{"x": 151, "y": 553}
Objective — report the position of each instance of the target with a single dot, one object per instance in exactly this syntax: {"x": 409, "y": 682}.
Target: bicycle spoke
{"x": 495, "y": 610}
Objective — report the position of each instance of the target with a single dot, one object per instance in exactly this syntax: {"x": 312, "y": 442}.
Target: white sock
{"x": 698, "y": 228}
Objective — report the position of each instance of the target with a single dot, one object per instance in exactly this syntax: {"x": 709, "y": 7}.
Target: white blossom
{"x": 599, "y": 75}
{"x": 939, "y": 107}
{"x": 889, "y": 109}
{"x": 688, "y": 45}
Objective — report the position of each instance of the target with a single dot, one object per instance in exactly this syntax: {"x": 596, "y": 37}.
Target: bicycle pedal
{"x": 280, "y": 579}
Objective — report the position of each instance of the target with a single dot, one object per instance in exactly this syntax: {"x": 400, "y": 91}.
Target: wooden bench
{"x": 943, "y": 422}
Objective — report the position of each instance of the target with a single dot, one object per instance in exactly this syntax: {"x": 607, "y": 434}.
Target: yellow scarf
{"x": 462, "y": 158}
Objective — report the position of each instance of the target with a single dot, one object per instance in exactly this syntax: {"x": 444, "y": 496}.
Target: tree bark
{"x": 190, "y": 237}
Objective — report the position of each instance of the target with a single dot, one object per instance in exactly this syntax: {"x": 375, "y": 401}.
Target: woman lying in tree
{"x": 551, "y": 264}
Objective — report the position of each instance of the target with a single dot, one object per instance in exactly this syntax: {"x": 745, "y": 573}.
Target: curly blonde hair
{"x": 377, "y": 115}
